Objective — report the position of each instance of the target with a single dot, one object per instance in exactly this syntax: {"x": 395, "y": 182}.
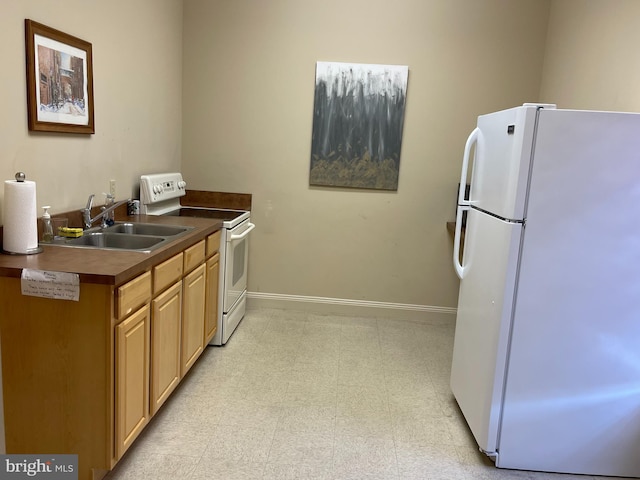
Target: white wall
{"x": 591, "y": 59}
{"x": 249, "y": 73}
{"x": 137, "y": 67}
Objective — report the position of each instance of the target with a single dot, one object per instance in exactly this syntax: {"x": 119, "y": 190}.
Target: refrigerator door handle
{"x": 474, "y": 138}
{"x": 457, "y": 264}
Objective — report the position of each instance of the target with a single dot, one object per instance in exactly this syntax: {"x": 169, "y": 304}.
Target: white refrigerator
{"x": 546, "y": 361}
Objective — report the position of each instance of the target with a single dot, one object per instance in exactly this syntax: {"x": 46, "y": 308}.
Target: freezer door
{"x": 572, "y": 402}
{"x": 500, "y": 170}
{"x": 483, "y": 322}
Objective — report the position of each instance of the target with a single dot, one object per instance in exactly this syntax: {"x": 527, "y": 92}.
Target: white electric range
{"x": 160, "y": 195}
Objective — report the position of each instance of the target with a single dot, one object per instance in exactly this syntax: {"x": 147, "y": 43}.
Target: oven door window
{"x": 235, "y": 271}
{"x": 239, "y": 254}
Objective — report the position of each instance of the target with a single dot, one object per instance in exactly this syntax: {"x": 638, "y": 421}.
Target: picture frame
{"x": 59, "y": 81}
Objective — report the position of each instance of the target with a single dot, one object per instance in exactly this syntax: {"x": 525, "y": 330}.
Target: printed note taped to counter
{"x": 59, "y": 285}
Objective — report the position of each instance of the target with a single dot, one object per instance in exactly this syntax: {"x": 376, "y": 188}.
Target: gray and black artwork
{"x": 357, "y": 125}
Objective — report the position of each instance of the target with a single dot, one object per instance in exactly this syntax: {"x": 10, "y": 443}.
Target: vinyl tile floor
{"x": 297, "y": 395}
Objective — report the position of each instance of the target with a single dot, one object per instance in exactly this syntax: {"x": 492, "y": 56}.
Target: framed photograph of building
{"x": 59, "y": 81}
{"x": 358, "y": 116}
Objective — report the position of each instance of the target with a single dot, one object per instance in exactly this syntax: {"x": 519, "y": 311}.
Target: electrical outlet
{"x": 112, "y": 188}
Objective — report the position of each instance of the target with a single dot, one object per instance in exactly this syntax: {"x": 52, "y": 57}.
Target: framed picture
{"x": 358, "y": 116}
{"x": 59, "y": 81}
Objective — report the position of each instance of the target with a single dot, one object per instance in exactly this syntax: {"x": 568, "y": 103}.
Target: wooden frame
{"x": 59, "y": 81}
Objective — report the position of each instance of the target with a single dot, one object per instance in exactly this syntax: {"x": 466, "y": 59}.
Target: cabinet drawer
{"x": 194, "y": 256}
{"x": 133, "y": 294}
{"x": 167, "y": 273}
{"x": 213, "y": 243}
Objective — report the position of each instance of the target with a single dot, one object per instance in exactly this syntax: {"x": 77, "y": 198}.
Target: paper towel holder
{"x": 21, "y": 177}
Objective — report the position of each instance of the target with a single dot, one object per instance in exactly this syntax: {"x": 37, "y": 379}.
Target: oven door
{"x": 236, "y": 255}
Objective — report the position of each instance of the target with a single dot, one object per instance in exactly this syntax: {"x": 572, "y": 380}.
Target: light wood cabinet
{"x": 194, "y": 256}
{"x": 211, "y": 301}
{"x": 211, "y": 314}
{"x": 133, "y": 294}
{"x": 167, "y": 273}
{"x": 166, "y": 319}
{"x": 213, "y": 243}
{"x": 193, "y": 303}
{"x": 85, "y": 377}
{"x": 58, "y": 374}
{"x": 132, "y": 378}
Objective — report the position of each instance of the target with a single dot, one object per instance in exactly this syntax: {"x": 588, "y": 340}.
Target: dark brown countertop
{"x": 110, "y": 267}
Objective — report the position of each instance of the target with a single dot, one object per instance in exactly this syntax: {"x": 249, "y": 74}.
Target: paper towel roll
{"x": 20, "y": 229}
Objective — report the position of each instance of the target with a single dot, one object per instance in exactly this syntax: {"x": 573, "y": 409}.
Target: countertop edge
{"x": 110, "y": 267}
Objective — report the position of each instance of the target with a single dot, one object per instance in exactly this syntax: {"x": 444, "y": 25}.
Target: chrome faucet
{"x": 86, "y": 212}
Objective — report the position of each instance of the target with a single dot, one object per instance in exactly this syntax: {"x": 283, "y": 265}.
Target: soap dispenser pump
{"x": 47, "y": 229}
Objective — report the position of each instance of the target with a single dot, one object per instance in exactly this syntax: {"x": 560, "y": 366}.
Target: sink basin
{"x": 147, "y": 229}
{"x": 137, "y": 237}
{"x": 120, "y": 241}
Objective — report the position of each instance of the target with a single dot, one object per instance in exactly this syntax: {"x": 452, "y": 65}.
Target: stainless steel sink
{"x": 138, "y": 237}
{"x": 146, "y": 229}
{"x": 120, "y": 241}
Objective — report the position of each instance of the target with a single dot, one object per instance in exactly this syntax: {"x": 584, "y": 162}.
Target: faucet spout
{"x": 86, "y": 212}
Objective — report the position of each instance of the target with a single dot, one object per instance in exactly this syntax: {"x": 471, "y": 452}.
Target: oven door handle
{"x": 233, "y": 238}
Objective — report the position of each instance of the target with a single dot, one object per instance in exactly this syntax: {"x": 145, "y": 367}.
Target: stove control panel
{"x": 161, "y": 187}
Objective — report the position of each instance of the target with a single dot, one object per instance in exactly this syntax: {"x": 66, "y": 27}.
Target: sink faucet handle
{"x": 108, "y": 199}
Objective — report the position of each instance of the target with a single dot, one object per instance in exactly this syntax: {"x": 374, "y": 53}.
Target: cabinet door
{"x": 132, "y": 378}
{"x": 194, "y": 290}
{"x": 211, "y": 306}
{"x": 166, "y": 314}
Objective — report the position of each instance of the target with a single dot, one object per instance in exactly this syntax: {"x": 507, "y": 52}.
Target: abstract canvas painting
{"x": 358, "y": 117}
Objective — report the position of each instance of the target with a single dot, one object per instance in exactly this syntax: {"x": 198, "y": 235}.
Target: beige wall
{"x": 248, "y": 78}
{"x": 137, "y": 51}
{"x": 249, "y": 72}
{"x": 591, "y": 59}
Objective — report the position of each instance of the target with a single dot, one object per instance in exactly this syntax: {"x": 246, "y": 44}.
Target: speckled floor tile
{"x": 140, "y": 465}
{"x": 308, "y": 418}
{"x": 306, "y": 396}
{"x": 365, "y": 457}
{"x": 214, "y": 468}
{"x": 240, "y": 443}
{"x": 281, "y": 471}
{"x": 303, "y": 448}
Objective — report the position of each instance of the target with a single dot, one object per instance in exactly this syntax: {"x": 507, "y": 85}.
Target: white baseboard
{"x": 342, "y": 306}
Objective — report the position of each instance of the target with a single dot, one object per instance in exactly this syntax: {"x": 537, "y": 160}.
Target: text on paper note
{"x": 58, "y": 285}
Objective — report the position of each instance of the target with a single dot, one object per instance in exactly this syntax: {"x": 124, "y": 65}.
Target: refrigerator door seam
{"x": 508, "y": 220}
{"x": 531, "y": 158}
{"x": 517, "y": 279}
{"x": 509, "y": 341}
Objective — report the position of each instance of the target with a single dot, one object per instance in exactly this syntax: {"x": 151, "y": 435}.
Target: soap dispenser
{"x": 47, "y": 229}
{"x": 109, "y": 217}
